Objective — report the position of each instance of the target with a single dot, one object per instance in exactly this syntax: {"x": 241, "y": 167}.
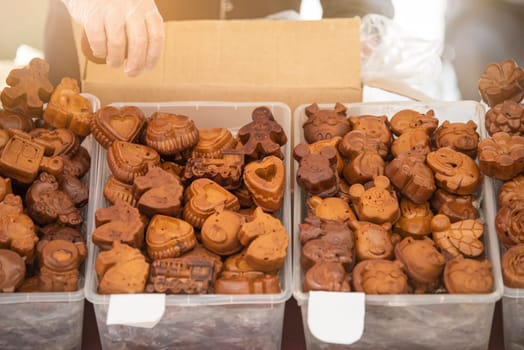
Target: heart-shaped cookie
{"x": 129, "y": 160}
{"x": 265, "y": 181}
{"x": 169, "y": 237}
{"x": 202, "y": 197}
{"x": 110, "y": 124}
{"x": 170, "y": 134}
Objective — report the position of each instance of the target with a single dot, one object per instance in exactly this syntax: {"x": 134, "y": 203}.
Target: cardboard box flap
{"x": 247, "y": 55}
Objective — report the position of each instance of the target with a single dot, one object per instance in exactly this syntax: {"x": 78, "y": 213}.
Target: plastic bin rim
{"x": 197, "y": 104}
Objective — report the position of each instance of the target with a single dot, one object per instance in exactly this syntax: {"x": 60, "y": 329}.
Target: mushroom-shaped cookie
{"x": 462, "y": 137}
{"x": 111, "y": 124}
{"x": 415, "y": 219}
{"x": 507, "y": 116}
{"x": 502, "y": 156}
{"x": 500, "y": 82}
{"x": 263, "y": 136}
{"x": 454, "y": 171}
{"x": 377, "y": 204}
{"x": 455, "y": 207}
{"x": 331, "y": 208}
{"x": 327, "y": 276}
{"x": 513, "y": 266}
{"x": 459, "y": 238}
{"x": 509, "y": 224}
{"x": 408, "y": 119}
{"x": 168, "y": 237}
{"x": 170, "y": 134}
{"x": 468, "y": 276}
{"x": 122, "y": 269}
{"x": 422, "y": 262}
{"x": 265, "y": 181}
{"x": 373, "y": 241}
{"x": 323, "y": 124}
{"x": 317, "y": 173}
{"x": 511, "y": 191}
{"x": 380, "y": 276}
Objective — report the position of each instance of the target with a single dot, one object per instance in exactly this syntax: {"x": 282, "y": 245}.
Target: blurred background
{"x": 472, "y": 33}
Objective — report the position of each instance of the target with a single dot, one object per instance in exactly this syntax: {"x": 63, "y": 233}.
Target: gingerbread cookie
{"x": 507, "y": 116}
{"x": 170, "y": 134}
{"x": 407, "y": 119}
{"x": 111, "y": 124}
{"x": 317, "y": 173}
{"x": 468, "y": 276}
{"x": 500, "y": 82}
{"x": 377, "y": 204}
{"x": 323, "y": 124}
{"x": 462, "y": 137}
{"x": 379, "y": 276}
{"x": 502, "y": 156}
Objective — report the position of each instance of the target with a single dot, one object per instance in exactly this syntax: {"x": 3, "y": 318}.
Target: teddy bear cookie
{"x": 455, "y": 207}
{"x": 407, "y": 119}
{"x": 357, "y": 142}
{"x": 461, "y": 137}
{"x": 331, "y": 246}
{"x": 507, "y": 116}
{"x": 454, "y": 171}
{"x": 513, "y": 266}
{"x": 317, "y": 173}
{"x": 330, "y": 208}
{"x": 111, "y": 124}
{"x": 212, "y": 141}
{"x": 220, "y": 232}
{"x": 315, "y": 147}
{"x": 226, "y": 170}
{"x": 263, "y": 136}
{"x": 502, "y": 156}
{"x": 121, "y": 269}
{"x": 169, "y": 237}
{"x": 500, "y": 82}
{"x": 379, "y": 276}
{"x": 373, "y": 241}
{"x": 192, "y": 273}
{"x": 409, "y": 140}
{"x": 459, "y": 238}
{"x": 415, "y": 219}
{"x": 468, "y": 276}
{"x": 170, "y": 134}
{"x": 68, "y": 109}
{"x": 323, "y": 124}
{"x": 327, "y": 276}
{"x": 28, "y": 89}
{"x": 377, "y": 204}
{"x": 129, "y": 160}
{"x": 374, "y": 126}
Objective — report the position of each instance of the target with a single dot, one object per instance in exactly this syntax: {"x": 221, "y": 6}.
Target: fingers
{"x": 96, "y": 36}
{"x": 137, "y": 43}
{"x": 116, "y": 39}
{"x": 155, "y": 31}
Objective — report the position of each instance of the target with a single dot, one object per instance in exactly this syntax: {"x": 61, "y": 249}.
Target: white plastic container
{"x": 431, "y": 321}
{"x": 201, "y": 321}
{"x": 48, "y": 320}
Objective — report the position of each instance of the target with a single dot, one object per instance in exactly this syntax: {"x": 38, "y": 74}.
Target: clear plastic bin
{"x": 203, "y": 321}
{"x": 47, "y": 320}
{"x": 443, "y": 321}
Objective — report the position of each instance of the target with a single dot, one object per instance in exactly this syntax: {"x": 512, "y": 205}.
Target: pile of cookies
{"x": 192, "y": 210}
{"x": 42, "y": 164}
{"x": 391, "y": 204}
{"x": 501, "y": 156}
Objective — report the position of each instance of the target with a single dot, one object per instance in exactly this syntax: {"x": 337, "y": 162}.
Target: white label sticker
{"x": 336, "y": 318}
{"x": 136, "y": 310}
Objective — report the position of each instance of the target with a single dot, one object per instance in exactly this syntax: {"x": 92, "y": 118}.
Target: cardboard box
{"x": 241, "y": 60}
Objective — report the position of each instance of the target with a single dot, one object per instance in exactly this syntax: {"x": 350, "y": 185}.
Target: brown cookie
{"x": 409, "y": 140}
{"x": 357, "y": 142}
{"x": 265, "y": 180}
{"x": 47, "y": 204}
{"x": 263, "y": 136}
{"x": 115, "y": 190}
{"x": 511, "y": 191}
{"x": 407, "y": 119}
{"x": 249, "y": 282}
{"x": 509, "y": 224}
{"x": 459, "y": 238}
{"x": 454, "y": 171}
{"x": 317, "y": 173}
{"x": 28, "y": 89}
{"x": 59, "y": 262}
{"x": 468, "y": 276}
{"x": 374, "y": 126}
{"x": 461, "y": 137}
{"x": 323, "y": 124}
{"x": 260, "y": 224}
{"x": 502, "y": 156}
{"x": 377, "y": 204}
{"x": 507, "y": 116}
{"x": 52, "y": 232}
{"x": 267, "y": 252}
{"x": 415, "y": 219}
{"x": 61, "y": 142}
{"x": 315, "y": 147}
{"x": 365, "y": 167}
{"x": 226, "y": 170}
{"x": 500, "y": 82}
{"x": 12, "y": 270}
{"x": 129, "y": 160}
{"x": 5, "y": 187}
{"x": 68, "y": 109}
{"x": 327, "y": 276}
{"x": 455, "y": 207}
{"x": 373, "y": 241}
{"x": 379, "y": 276}
{"x": 411, "y": 176}
{"x": 122, "y": 269}
{"x": 220, "y": 232}
{"x": 513, "y": 266}
{"x": 10, "y": 120}
{"x": 75, "y": 189}
{"x": 170, "y": 134}
{"x": 314, "y": 227}
{"x": 191, "y": 273}
{"x": 330, "y": 208}
{"x": 111, "y": 124}
{"x": 422, "y": 262}
{"x": 168, "y": 237}
{"x": 77, "y": 165}
{"x": 212, "y": 141}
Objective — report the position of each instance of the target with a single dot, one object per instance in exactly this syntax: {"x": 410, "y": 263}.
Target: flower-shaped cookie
{"x": 502, "y": 156}
{"x": 509, "y": 224}
{"x": 331, "y": 208}
{"x": 377, "y": 204}
{"x": 263, "y": 136}
{"x": 459, "y": 238}
{"x": 323, "y": 124}
{"x": 500, "y": 81}
{"x": 317, "y": 173}
{"x": 468, "y": 276}
{"x": 408, "y": 119}
{"x": 111, "y": 124}
{"x": 462, "y": 137}
{"x": 374, "y": 126}
{"x": 454, "y": 171}
{"x": 507, "y": 116}
{"x": 28, "y": 89}
{"x": 511, "y": 191}
{"x": 415, "y": 219}
{"x": 379, "y": 276}
{"x": 327, "y": 276}
{"x": 411, "y": 176}
{"x": 513, "y": 266}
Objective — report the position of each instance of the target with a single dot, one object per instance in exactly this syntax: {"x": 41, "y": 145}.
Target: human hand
{"x": 112, "y": 26}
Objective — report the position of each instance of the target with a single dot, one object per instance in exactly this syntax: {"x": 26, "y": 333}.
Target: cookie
{"x": 168, "y": 237}
{"x": 170, "y": 134}
{"x": 459, "y": 238}
{"x": 323, "y": 124}
{"x": 500, "y": 82}
{"x": 502, "y": 156}
{"x": 507, "y": 116}
{"x": 265, "y": 181}
{"x": 317, "y": 173}
{"x": 111, "y": 124}
{"x": 407, "y": 119}
{"x": 377, "y": 204}
{"x": 461, "y": 137}
{"x": 468, "y": 276}
{"x": 379, "y": 276}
